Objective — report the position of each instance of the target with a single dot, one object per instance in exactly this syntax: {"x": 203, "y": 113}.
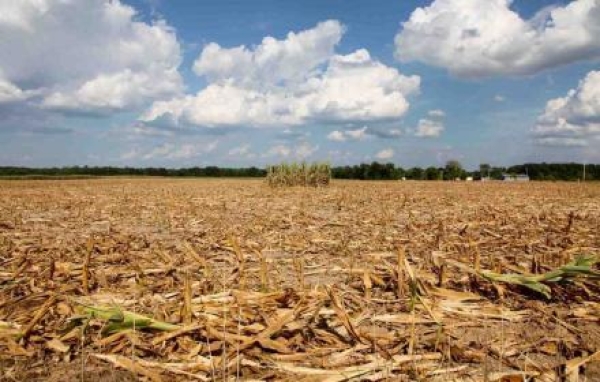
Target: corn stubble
{"x": 234, "y": 280}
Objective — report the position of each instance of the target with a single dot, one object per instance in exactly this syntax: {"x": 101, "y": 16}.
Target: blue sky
{"x": 239, "y": 83}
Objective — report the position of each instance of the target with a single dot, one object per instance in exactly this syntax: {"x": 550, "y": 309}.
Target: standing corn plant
{"x": 303, "y": 174}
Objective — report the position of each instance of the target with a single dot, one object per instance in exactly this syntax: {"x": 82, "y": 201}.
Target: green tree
{"x": 496, "y": 172}
{"x": 415, "y": 173}
{"x": 484, "y": 170}
{"x": 432, "y": 173}
{"x": 453, "y": 170}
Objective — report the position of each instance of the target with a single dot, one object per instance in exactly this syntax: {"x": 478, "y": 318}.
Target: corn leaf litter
{"x": 582, "y": 266}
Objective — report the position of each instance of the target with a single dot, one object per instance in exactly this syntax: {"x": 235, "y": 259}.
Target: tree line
{"x": 454, "y": 170}
{"x": 209, "y": 171}
{"x": 365, "y": 171}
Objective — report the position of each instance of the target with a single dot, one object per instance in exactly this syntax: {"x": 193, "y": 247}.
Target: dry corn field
{"x": 226, "y": 280}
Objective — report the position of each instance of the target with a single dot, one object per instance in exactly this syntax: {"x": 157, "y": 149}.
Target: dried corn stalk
{"x": 303, "y": 174}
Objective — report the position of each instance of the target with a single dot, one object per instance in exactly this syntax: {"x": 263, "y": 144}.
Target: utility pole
{"x": 584, "y": 171}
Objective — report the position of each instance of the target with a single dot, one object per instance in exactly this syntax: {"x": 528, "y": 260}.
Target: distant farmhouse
{"x": 515, "y": 177}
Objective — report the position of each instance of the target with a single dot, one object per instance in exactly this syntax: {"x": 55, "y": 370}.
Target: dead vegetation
{"x": 299, "y": 174}
{"x": 232, "y": 280}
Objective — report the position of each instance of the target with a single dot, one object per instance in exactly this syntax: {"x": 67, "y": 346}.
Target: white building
{"x": 515, "y": 177}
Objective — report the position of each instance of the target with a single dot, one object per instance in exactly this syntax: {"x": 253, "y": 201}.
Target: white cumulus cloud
{"x": 116, "y": 91}
{"x": 278, "y": 151}
{"x": 305, "y": 150}
{"x": 171, "y": 151}
{"x": 273, "y": 61}
{"x": 572, "y": 120}
{"x": 353, "y": 135}
{"x": 300, "y": 151}
{"x": 385, "y": 154}
{"x": 336, "y": 136}
{"x": 287, "y": 82}
{"x": 476, "y": 38}
{"x": 358, "y": 134}
{"x": 437, "y": 113}
{"x": 241, "y": 150}
{"x": 10, "y": 93}
{"x": 428, "y": 128}
{"x": 91, "y": 56}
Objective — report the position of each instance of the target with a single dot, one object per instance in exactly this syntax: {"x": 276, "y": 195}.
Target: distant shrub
{"x": 303, "y": 174}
